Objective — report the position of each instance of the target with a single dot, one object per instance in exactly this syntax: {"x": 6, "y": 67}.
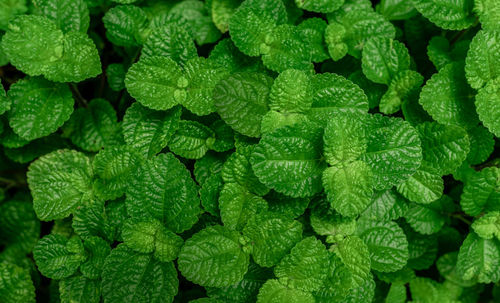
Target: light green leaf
{"x": 404, "y": 86}
{"x": 386, "y": 205}
{"x": 349, "y": 187}
{"x": 396, "y": 294}
{"x": 447, "y": 97}
{"x": 291, "y": 92}
{"x": 274, "y": 120}
{"x": 482, "y": 144}
{"x": 289, "y": 160}
{"x": 92, "y": 220}
{"x": 319, "y": 6}
{"x": 312, "y": 32}
{"x": 237, "y": 206}
{"x": 444, "y": 147}
{"x": 355, "y": 256}
{"x": 226, "y": 54}
{"x": 221, "y": 11}
{"x": 488, "y": 226}
{"x": 39, "y": 107}
{"x": 338, "y": 283}
{"x": 124, "y": 24}
{"x": 424, "y": 186}
{"x": 383, "y": 59}
{"x": 252, "y": 21}
{"x": 79, "y": 289}
{"x": 10, "y": 9}
{"x": 57, "y": 257}
{"x": 207, "y": 166}
{"x": 191, "y": 140}
{"x": 426, "y": 290}
{"x": 394, "y": 153}
{"x": 327, "y": 222}
{"x": 488, "y": 12}
{"x": 67, "y": 15}
{"x": 386, "y": 243}
{"x": 172, "y": 41}
{"x": 94, "y": 127}
{"x": 292, "y": 207}
{"x": 5, "y": 103}
{"x": 428, "y": 219}
{"x": 147, "y": 130}
{"x": 453, "y": 15}
{"x": 396, "y": 10}
{"x": 59, "y": 183}
{"x": 97, "y": 250}
{"x": 304, "y": 268}
{"x": 213, "y": 257}
{"x": 271, "y": 236}
{"x": 167, "y": 245}
{"x": 274, "y": 292}
{"x": 129, "y": 276}
{"x": 479, "y": 258}
{"x": 163, "y": 189}
{"x": 446, "y": 265}
{"x": 487, "y": 104}
{"x": 16, "y": 284}
{"x": 483, "y": 59}
{"x": 156, "y": 82}
{"x": 32, "y": 43}
{"x": 242, "y": 100}
{"x": 481, "y": 191}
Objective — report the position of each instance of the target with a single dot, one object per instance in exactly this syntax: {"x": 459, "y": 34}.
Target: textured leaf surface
{"x": 386, "y": 205}
{"x": 424, "y": 186}
{"x": 483, "y": 59}
{"x": 163, "y": 189}
{"x": 488, "y": 108}
{"x": 326, "y": 221}
{"x": 479, "y": 258}
{"x": 59, "y": 183}
{"x": 191, "y": 140}
{"x": 404, "y": 86}
{"x": 275, "y": 292}
{"x": 135, "y": 277}
{"x": 452, "y": 15}
{"x": 80, "y": 289}
{"x": 97, "y": 250}
{"x": 482, "y": 144}
{"x": 488, "y": 226}
{"x": 91, "y": 220}
{"x": 386, "y": 243}
{"x": 15, "y": 284}
{"x": 488, "y": 12}
{"x": 271, "y": 237}
{"x": 213, "y": 257}
{"x": 320, "y": 6}
{"x": 68, "y": 16}
{"x": 481, "y": 191}
{"x": 289, "y": 160}
{"x": 124, "y": 23}
{"x": 56, "y": 257}
{"x": 394, "y": 152}
{"x": 147, "y": 130}
{"x": 293, "y": 207}
{"x": 39, "y": 107}
{"x": 222, "y": 10}
{"x": 354, "y": 254}
{"x": 428, "y": 219}
{"x": 20, "y": 225}
{"x": 172, "y": 41}
{"x": 242, "y": 100}
{"x": 291, "y": 92}
{"x": 312, "y": 31}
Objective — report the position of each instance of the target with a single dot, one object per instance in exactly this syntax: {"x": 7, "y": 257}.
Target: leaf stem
{"x": 76, "y": 93}
{"x": 461, "y": 217}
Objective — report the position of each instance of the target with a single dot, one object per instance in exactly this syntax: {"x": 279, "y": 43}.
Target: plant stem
{"x": 76, "y": 93}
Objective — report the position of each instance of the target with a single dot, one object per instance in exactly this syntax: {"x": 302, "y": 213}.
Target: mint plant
{"x": 240, "y": 151}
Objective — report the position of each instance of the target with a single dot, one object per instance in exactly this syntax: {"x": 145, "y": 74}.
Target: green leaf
{"x": 5, "y": 103}
{"x": 202, "y": 76}
{"x": 163, "y": 189}
{"x": 424, "y": 186}
{"x": 39, "y": 107}
{"x": 396, "y": 294}
{"x": 446, "y": 265}
{"x": 68, "y": 16}
{"x": 383, "y": 59}
{"x": 252, "y": 21}
{"x": 124, "y": 24}
{"x": 191, "y": 140}
{"x": 428, "y": 219}
{"x": 483, "y": 61}
{"x": 312, "y": 32}
{"x": 274, "y": 120}
{"x": 115, "y": 167}
{"x": 338, "y": 283}
{"x": 355, "y": 256}
{"x": 454, "y": 15}
{"x": 291, "y": 92}
{"x": 386, "y": 243}
{"x": 481, "y": 191}
{"x": 237, "y": 169}
{"x": 115, "y": 74}
{"x": 488, "y": 226}
{"x": 147, "y": 130}
{"x": 292, "y": 207}
{"x": 97, "y": 250}
{"x": 284, "y": 49}
{"x": 59, "y": 183}
{"x": 221, "y": 11}
{"x": 289, "y": 160}
{"x": 15, "y": 284}
{"x": 210, "y": 193}
{"x": 80, "y": 289}
{"x": 394, "y": 153}
{"x": 237, "y": 206}
{"x": 20, "y": 226}
{"x": 172, "y": 41}
{"x": 197, "y": 20}
{"x": 32, "y": 43}
{"x": 80, "y": 60}
{"x": 327, "y": 222}
{"x": 226, "y": 54}
{"x": 482, "y": 144}
{"x": 224, "y": 136}
{"x": 242, "y": 100}
{"x": 426, "y": 290}
{"x": 405, "y": 85}
{"x": 167, "y": 245}
{"x": 479, "y": 258}
{"x": 156, "y": 82}
{"x": 304, "y": 268}
{"x": 92, "y": 220}
{"x": 349, "y": 187}
{"x": 10, "y": 9}
{"x": 129, "y": 276}
{"x": 487, "y": 101}
{"x": 396, "y": 10}
{"x": 94, "y": 127}
{"x": 422, "y": 250}
{"x": 448, "y": 98}
{"x": 386, "y": 205}
{"x": 207, "y": 166}
{"x": 319, "y": 6}
{"x": 332, "y": 95}
{"x": 271, "y": 236}
{"x": 57, "y": 257}
{"x": 487, "y": 11}
{"x": 274, "y": 292}
{"x": 444, "y": 147}
{"x": 213, "y": 257}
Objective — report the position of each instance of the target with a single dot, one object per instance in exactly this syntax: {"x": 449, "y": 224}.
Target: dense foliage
{"x": 233, "y": 151}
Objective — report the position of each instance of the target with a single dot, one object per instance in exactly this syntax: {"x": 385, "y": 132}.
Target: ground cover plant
{"x": 230, "y": 151}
